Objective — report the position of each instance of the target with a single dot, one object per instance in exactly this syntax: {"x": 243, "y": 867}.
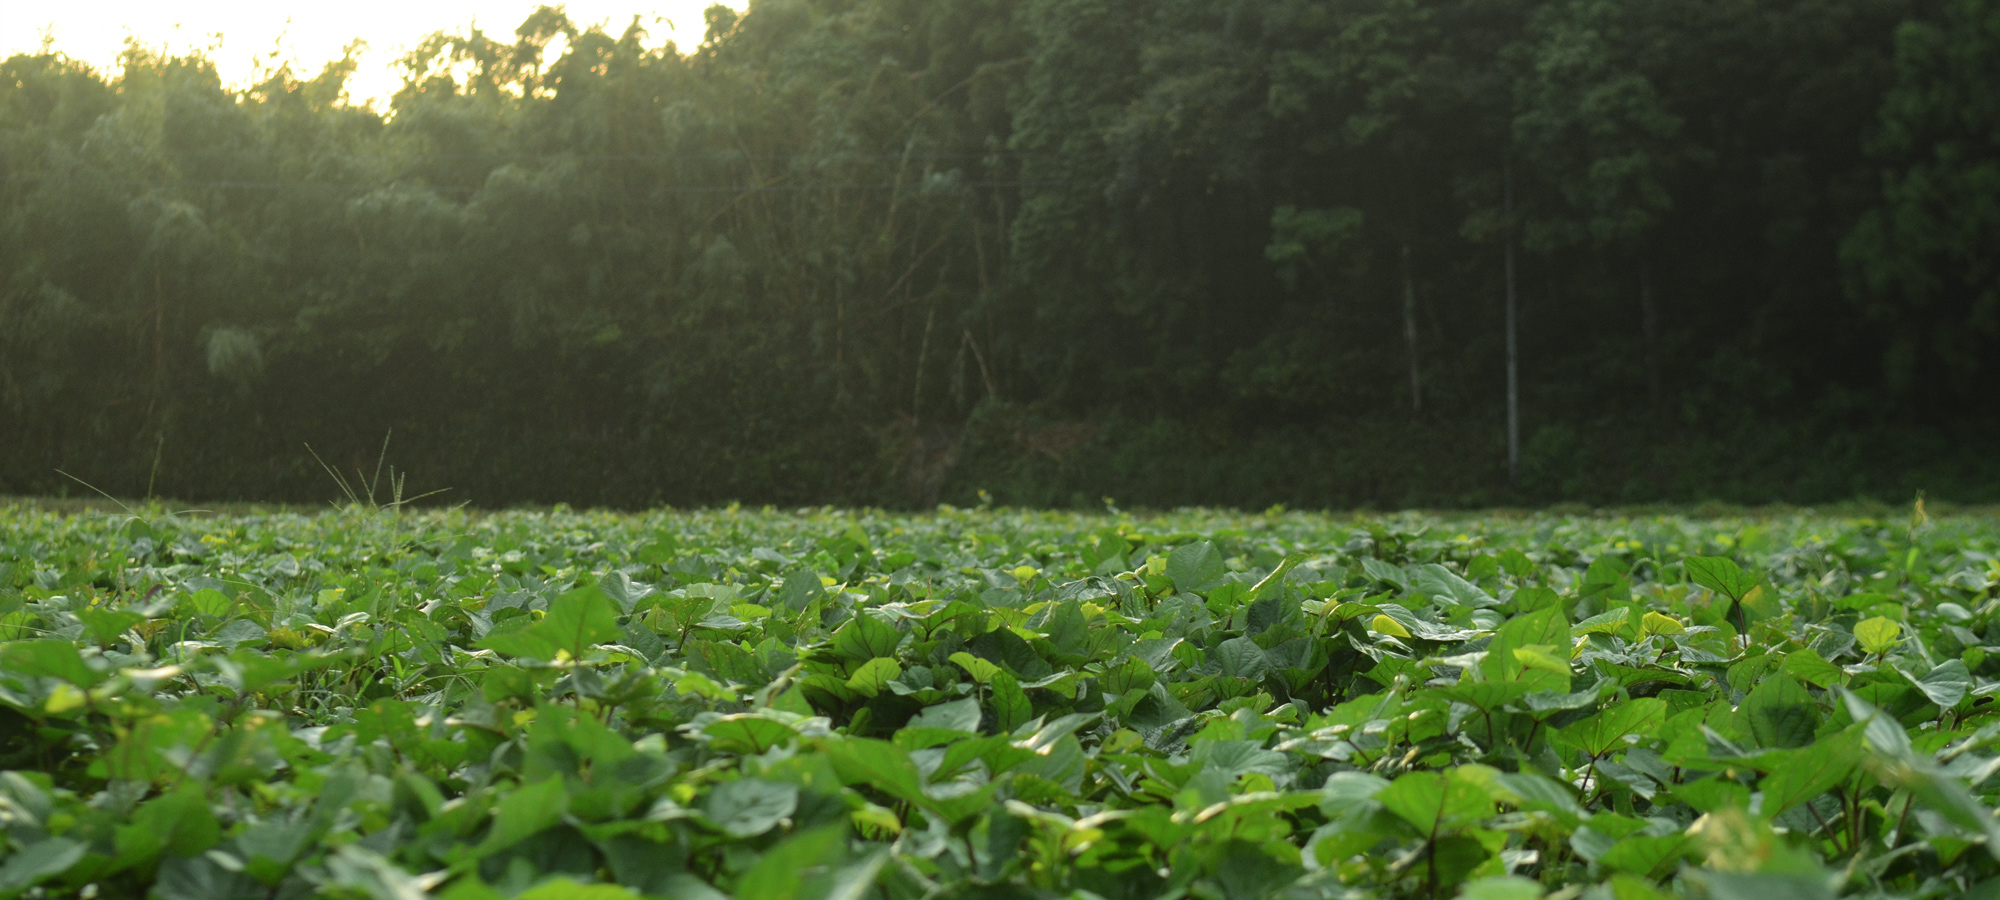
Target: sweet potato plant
{"x": 994, "y": 703}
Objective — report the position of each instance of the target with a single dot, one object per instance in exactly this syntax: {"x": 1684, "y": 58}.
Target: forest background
{"x": 899, "y": 252}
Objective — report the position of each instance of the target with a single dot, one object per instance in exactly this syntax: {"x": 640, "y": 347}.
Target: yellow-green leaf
{"x": 697, "y": 683}
{"x": 1382, "y": 624}
{"x": 1605, "y": 623}
{"x": 1659, "y": 623}
{"x": 873, "y": 676}
{"x": 1543, "y": 657}
{"x": 1879, "y": 634}
{"x": 981, "y": 670}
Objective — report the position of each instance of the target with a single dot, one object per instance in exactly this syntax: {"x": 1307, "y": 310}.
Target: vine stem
{"x": 1824, "y": 827}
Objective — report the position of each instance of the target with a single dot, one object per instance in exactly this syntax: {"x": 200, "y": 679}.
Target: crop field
{"x": 990, "y": 703}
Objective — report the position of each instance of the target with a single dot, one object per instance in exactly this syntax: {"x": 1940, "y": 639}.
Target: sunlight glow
{"x": 245, "y": 39}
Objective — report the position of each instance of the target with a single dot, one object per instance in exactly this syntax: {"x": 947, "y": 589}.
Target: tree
{"x": 1923, "y": 263}
{"x": 1594, "y": 126}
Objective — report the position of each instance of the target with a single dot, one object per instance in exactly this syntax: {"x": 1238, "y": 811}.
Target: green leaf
{"x": 1500, "y": 887}
{"x": 855, "y": 881}
{"x": 1196, "y": 568}
{"x": 748, "y": 807}
{"x": 1656, "y": 623}
{"x": 1607, "y": 576}
{"x": 1528, "y": 599}
{"x": 1884, "y": 734}
{"x": 1710, "y": 794}
{"x": 698, "y": 684}
{"x": 560, "y": 888}
{"x": 1385, "y": 572}
{"x": 1487, "y": 695}
{"x": 158, "y": 746}
{"x": 623, "y": 590}
{"x": 651, "y": 868}
{"x": 1878, "y": 635}
{"x": 1807, "y": 666}
{"x": 747, "y": 733}
{"x": 1541, "y": 658}
{"x": 780, "y": 873}
{"x": 1068, "y": 635}
{"x": 1240, "y": 657}
{"x": 49, "y": 659}
{"x": 1604, "y": 623}
{"x": 107, "y": 626}
{"x": 958, "y": 715}
{"x": 1550, "y": 701}
{"x": 39, "y": 861}
{"x": 1233, "y": 759}
{"x": 202, "y": 878}
{"x": 1383, "y": 624}
{"x": 1646, "y": 856}
{"x": 519, "y": 637}
{"x": 180, "y": 823}
{"x": 269, "y": 848}
{"x": 580, "y": 619}
{"x": 1766, "y": 886}
{"x": 211, "y": 602}
{"x": 1779, "y": 713}
{"x": 577, "y": 621}
{"x": 801, "y": 588}
{"x": 1272, "y": 585}
{"x": 877, "y": 764}
{"x": 1434, "y": 802}
{"x": 1947, "y": 796}
{"x": 865, "y": 637}
{"x": 658, "y": 551}
{"x": 1608, "y": 729}
{"x": 1048, "y": 734}
{"x": 1721, "y": 575}
{"x": 364, "y": 871}
{"x": 525, "y": 812}
{"x": 1344, "y": 790}
{"x": 1132, "y": 674}
{"x": 981, "y": 671}
{"x": 1434, "y": 580}
{"x": 1525, "y": 649}
{"x": 1516, "y": 563}
{"x": 1945, "y": 685}
{"x": 1011, "y": 707}
{"x": 874, "y": 676}
{"x": 1810, "y": 772}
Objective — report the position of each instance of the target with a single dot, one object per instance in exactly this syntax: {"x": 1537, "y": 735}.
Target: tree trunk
{"x": 1513, "y": 343}
{"x": 923, "y": 349}
{"x": 1410, "y": 334}
{"x": 1649, "y": 315}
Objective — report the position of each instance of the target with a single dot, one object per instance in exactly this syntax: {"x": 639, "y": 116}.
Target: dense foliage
{"x": 995, "y": 704}
{"x": 897, "y": 251}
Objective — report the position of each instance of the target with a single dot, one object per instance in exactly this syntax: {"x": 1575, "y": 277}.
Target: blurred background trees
{"x": 902, "y": 251}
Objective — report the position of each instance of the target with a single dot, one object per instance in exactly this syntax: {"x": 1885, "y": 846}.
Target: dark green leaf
{"x": 1721, "y": 575}
{"x": 1434, "y": 802}
{"x": 865, "y": 637}
{"x": 748, "y": 807}
{"x": 1779, "y": 713}
{"x": 1196, "y": 568}
{"x": 39, "y": 861}
{"x": 1946, "y": 684}
{"x": 1607, "y": 730}
{"x": 1811, "y": 771}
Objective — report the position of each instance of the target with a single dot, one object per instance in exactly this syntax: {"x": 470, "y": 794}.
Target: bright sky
{"x": 239, "y": 36}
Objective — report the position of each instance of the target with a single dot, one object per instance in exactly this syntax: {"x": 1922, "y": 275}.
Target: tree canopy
{"x": 903, "y": 251}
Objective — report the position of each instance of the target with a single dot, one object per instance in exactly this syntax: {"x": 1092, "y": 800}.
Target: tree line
{"x": 1044, "y": 251}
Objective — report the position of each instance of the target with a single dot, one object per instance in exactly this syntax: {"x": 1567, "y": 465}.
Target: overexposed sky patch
{"x": 240, "y": 37}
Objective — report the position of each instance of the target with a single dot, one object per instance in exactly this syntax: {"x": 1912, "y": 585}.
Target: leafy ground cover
{"x": 829, "y": 704}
